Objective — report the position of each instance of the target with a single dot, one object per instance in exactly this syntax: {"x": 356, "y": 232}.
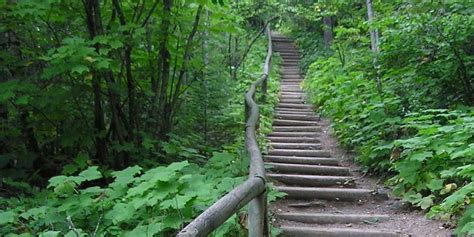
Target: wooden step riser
{"x": 332, "y": 232}
{"x": 290, "y": 96}
{"x": 295, "y": 139}
{"x": 293, "y": 122}
{"x": 313, "y": 180}
{"x": 296, "y": 146}
{"x": 293, "y": 134}
{"x": 295, "y": 80}
{"x": 297, "y": 117}
{"x": 288, "y": 50}
{"x": 302, "y": 160}
{"x": 304, "y": 114}
{"x": 292, "y": 100}
{"x": 296, "y": 129}
{"x": 296, "y": 111}
{"x": 290, "y": 55}
{"x": 322, "y": 219}
{"x": 295, "y": 106}
{"x": 293, "y": 86}
{"x": 296, "y": 152}
{"x": 333, "y": 194}
{"x": 283, "y": 168}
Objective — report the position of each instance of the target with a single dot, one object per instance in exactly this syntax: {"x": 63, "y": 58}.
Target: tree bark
{"x": 328, "y": 36}
{"x": 94, "y": 25}
{"x": 374, "y": 38}
{"x": 374, "y": 35}
{"x": 164, "y": 62}
{"x": 132, "y": 106}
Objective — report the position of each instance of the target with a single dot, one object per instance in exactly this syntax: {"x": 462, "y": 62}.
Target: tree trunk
{"x": 164, "y": 62}
{"x": 94, "y": 25}
{"x": 186, "y": 57}
{"x": 328, "y": 24}
{"x": 374, "y": 38}
{"x": 374, "y": 35}
{"x": 132, "y": 107}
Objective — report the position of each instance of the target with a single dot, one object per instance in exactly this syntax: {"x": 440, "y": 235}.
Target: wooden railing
{"x": 253, "y": 189}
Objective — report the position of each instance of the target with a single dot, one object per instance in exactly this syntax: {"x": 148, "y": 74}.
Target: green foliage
{"x": 112, "y": 123}
{"x": 418, "y": 127}
{"x": 154, "y": 202}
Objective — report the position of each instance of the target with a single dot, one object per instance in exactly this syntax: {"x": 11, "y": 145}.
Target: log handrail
{"x": 253, "y": 189}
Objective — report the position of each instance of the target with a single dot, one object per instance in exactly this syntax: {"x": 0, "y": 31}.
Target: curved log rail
{"x": 253, "y": 189}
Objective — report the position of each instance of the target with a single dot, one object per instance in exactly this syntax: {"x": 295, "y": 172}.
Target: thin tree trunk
{"x": 374, "y": 35}
{"x": 374, "y": 38}
{"x": 205, "y": 48}
{"x": 164, "y": 62}
{"x": 186, "y": 57}
{"x": 132, "y": 107}
{"x": 94, "y": 25}
{"x": 328, "y": 34}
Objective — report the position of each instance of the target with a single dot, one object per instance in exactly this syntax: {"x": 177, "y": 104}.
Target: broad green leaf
{"x": 80, "y": 69}
{"x": 120, "y": 212}
{"x": 7, "y": 217}
{"x": 91, "y": 173}
{"x": 125, "y": 176}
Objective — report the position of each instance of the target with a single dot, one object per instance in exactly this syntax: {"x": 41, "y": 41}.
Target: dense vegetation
{"x": 125, "y": 117}
{"x": 405, "y": 109}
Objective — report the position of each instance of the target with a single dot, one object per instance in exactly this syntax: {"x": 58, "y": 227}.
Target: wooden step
{"x": 292, "y": 100}
{"x": 293, "y": 97}
{"x": 298, "y": 117}
{"x": 304, "y": 146}
{"x": 287, "y": 168}
{"x": 333, "y": 194}
{"x": 291, "y": 89}
{"x": 303, "y": 231}
{"x": 299, "y": 111}
{"x": 291, "y": 112}
{"x": 297, "y": 129}
{"x": 289, "y": 78}
{"x": 302, "y": 160}
{"x": 285, "y": 105}
{"x": 293, "y": 93}
{"x": 325, "y": 218}
{"x": 312, "y": 180}
{"x": 296, "y": 109}
{"x": 287, "y": 50}
{"x": 294, "y": 152}
{"x": 294, "y": 139}
{"x": 293, "y": 134}
{"x": 291, "y": 84}
{"x": 293, "y": 122}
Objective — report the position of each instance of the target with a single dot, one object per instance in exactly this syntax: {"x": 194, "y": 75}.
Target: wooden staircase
{"x": 300, "y": 166}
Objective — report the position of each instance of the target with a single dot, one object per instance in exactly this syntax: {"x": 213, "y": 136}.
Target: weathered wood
{"x": 224, "y": 208}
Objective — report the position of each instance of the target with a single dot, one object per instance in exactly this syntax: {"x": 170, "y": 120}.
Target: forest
{"x": 127, "y": 117}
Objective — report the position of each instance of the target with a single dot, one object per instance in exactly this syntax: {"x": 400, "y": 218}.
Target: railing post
{"x": 257, "y": 216}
